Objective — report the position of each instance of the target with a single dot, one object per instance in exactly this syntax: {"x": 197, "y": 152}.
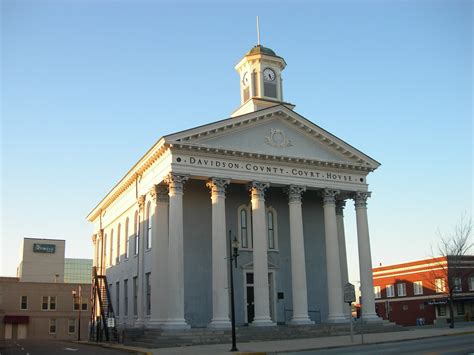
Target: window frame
{"x": 135, "y": 295}
{"x": 470, "y": 281}
{"x": 392, "y": 290}
{"x": 125, "y": 297}
{"x": 457, "y": 285}
{"x": 117, "y": 258}
{"x": 272, "y": 210}
{"x": 48, "y": 303}
{"x": 440, "y": 285}
{"x": 112, "y": 248}
{"x": 136, "y": 229}
{"x": 53, "y": 323}
{"x": 417, "y": 288}
{"x": 69, "y": 326}
{"x": 117, "y": 298}
{"x": 377, "y": 292}
{"x": 247, "y": 228}
{"x": 127, "y": 245}
{"x": 401, "y": 286}
{"x": 21, "y": 303}
{"x": 149, "y": 226}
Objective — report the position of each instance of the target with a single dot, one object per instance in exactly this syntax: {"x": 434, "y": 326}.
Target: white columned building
{"x": 277, "y": 181}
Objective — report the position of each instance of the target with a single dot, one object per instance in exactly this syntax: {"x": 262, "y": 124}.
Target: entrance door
{"x": 14, "y": 331}
{"x": 250, "y": 299}
{"x": 250, "y": 296}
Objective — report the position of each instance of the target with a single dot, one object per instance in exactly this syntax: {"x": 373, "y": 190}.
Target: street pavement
{"x": 453, "y": 345}
{"x": 53, "y": 347}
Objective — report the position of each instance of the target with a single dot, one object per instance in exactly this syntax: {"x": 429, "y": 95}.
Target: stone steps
{"x": 155, "y": 338}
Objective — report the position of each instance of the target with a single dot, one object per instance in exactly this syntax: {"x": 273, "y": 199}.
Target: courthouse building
{"x": 275, "y": 180}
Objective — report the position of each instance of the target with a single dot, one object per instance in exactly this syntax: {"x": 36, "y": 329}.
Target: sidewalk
{"x": 282, "y": 346}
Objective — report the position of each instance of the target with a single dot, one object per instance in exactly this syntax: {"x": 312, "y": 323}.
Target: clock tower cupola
{"x": 261, "y": 84}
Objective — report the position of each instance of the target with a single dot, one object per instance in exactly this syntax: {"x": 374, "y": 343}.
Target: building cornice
{"x": 153, "y": 154}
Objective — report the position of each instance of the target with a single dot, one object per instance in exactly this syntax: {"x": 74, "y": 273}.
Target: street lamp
{"x": 233, "y": 254}
{"x": 77, "y": 296}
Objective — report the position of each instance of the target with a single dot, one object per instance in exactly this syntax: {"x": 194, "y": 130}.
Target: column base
{"x": 337, "y": 318}
{"x": 301, "y": 321}
{"x": 371, "y": 318}
{"x": 139, "y": 323}
{"x": 175, "y": 324}
{"x": 263, "y": 322}
{"x": 155, "y": 323}
{"x": 220, "y": 324}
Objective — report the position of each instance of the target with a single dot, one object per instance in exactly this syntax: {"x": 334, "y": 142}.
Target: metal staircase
{"x": 103, "y": 322}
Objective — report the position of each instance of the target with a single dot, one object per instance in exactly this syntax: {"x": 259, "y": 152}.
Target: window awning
{"x": 16, "y": 319}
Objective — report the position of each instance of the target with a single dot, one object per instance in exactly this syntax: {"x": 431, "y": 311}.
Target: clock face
{"x": 245, "y": 79}
{"x": 269, "y": 74}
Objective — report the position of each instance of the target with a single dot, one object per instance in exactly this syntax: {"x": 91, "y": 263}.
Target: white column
{"x": 220, "y": 292}
{"x": 175, "y": 319}
{"x": 140, "y": 321}
{"x": 159, "y": 267}
{"x": 365, "y": 260}
{"x": 340, "y": 204}
{"x": 333, "y": 268}
{"x": 298, "y": 261}
{"x": 260, "y": 257}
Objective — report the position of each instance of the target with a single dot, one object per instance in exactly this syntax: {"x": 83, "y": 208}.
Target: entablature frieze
{"x": 239, "y": 169}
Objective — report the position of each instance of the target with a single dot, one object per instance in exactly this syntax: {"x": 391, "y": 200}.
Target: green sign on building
{"x": 44, "y": 248}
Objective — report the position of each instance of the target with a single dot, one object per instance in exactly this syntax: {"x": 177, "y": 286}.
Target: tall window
{"x": 24, "y": 302}
{"x": 136, "y": 232}
{"x": 111, "y": 247}
{"x": 390, "y": 291}
{"x": 117, "y": 298}
{"x": 457, "y": 284}
{"x": 271, "y": 229}
{"x": 471, "y": 283}
{"x": 401, "y": 289}
{"x": 418, "y": 287}
{"x": 125, "y": 297}
{"x": 71, "y": 326}
{"x": 127, "y": 245}
{"x": 148, "y": 293}
{"x": 105, "y": 249}
{"x": 244, "y": 242}
{"x": 149, "y": 223}
{"x": 376, "y": 291}
{"x": 440, "y": 285}
{"x": 135, "y": 295}
{"x": 52, "y": 326}
{"x": 118, "y": 244}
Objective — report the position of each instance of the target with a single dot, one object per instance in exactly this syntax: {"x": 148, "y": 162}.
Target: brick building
{"x": 417, "y": 292}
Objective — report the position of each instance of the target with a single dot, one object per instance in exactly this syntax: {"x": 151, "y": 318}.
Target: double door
{"x": 250, "y": 295}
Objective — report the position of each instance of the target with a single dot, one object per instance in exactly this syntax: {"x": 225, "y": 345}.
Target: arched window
{"x": 118, "y": 243}
{"x": 244, "y": 228}
{"x": 149, "y": 225}
{"x": 136, "y": 229}
{"x": 104, "y": 251}
{"x": 112, "y": 247}
{"x": 127, "y": 246}
{"x": 271, "y": 230}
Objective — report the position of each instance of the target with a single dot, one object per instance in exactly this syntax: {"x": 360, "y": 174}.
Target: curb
{"x": 372, "y": 343}
{"x": 129, "y": 349}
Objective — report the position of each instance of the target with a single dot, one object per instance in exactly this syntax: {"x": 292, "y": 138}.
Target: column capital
{"x": 141, "y": 202}
{"x": 218, "y": 186}
{"x": 94, "y": 238}
{"x": 360, "y": 198}
{"x": 159, "y": 193}
{"x": 294, "y": 192}
{"x": 329, "y": 196}
{"x": 257, "y": 189}
{"x": 176, "y": 182}
{"x": 340, "y": 204}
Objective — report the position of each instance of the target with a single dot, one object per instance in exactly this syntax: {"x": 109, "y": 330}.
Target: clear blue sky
{"x": 89, "y": 86}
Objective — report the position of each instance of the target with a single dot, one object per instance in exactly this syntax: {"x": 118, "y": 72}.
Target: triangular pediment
{"x": 275, "y": 131}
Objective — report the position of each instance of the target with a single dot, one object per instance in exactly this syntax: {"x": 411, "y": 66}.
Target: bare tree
{"x": 453, "y": 252}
